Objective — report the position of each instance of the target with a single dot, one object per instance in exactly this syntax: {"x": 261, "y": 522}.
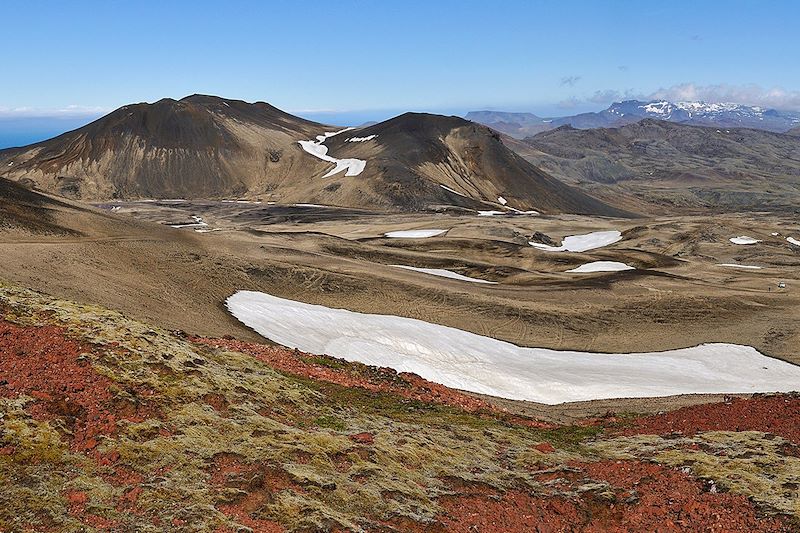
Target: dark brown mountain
{"x": 209, "y": 147}
{"x": 417, "y": 159}
{"x": 200, "y": 146}
{"x": 675, "y": 165}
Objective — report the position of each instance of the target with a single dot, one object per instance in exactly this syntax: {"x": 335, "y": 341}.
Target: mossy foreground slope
{"x": 107, "y": 424}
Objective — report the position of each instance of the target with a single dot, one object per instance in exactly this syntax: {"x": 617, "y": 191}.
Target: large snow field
{"x": 601, "y": 266}
{"x": 414, "y": 233}
{"x": 582, "y": 243}
{"x": 471, "y": 362}
{"x": 445, "y": 274}
{"x": 316, "y": 148}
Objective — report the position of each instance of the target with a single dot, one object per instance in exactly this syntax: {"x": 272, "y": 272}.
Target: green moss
{"x": 330, "y": 422}
{"x": 288, "y": 439}
{"x": 328, "y": 362}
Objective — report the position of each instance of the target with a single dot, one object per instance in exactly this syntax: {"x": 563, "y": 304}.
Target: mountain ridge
{"x": 618, "y": 114}
{"x": 675, "y": 164}
{"x": 208, "y": 147}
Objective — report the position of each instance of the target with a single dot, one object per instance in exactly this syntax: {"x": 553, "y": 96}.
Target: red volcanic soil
{"x": 607, "y": 496}
{"x": 644, "y": 497}
{"x": 256, "y": 483}
{"x": 778, "y": 414}
{"x": 332, "y": 370}
{"x": 41, "y": 362}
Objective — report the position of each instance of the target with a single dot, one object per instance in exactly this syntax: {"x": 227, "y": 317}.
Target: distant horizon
{"x": 17, "y": 131}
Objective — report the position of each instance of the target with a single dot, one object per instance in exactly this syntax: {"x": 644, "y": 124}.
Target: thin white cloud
{"x": 70, "y": 111}
{"x": 752, "y": 94}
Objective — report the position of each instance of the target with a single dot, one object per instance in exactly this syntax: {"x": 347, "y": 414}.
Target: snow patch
{"x": 471, "y": 362}
{"x": 360, "y": 139}
{"x": 582, "y": 243}
{"x": 601, "y": 266}
{"x": 198, "y": 223}
{"x": 520, "y": 212}
{"x": 414, "y": 233}
{"x": 737, "y": 265}
{"x": 502, "y": 200}
{"x": 354, "y": 167}
{"x": 792, "y": 240}
{"x": 445, "y": 274}
{"x": 743, "y": 239}
{"x": 445, "y": 187}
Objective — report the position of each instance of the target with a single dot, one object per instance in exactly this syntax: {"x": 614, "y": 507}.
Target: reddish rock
{"x": 646, "y": 497}
{"x": 778, "y": 414}
{"x": 43, "y": 363}
{"x": 545, "y": 447}
{"x": 77, "y": 498}
{"x": 363, "y": 438}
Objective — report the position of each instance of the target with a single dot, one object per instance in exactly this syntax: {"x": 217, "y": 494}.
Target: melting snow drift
{"x": 445, "y": 187}
{"x": 463, "y": 360}
{"x": 737, "y": 265}
{"x": 360, "y": 139}
{"x": 414, "y": 233}
{"x": 316, "y": 148}
{"x": 582, "y": 243}
{"x": 601, "y": 266}
{"x": 743, "y": 240}
{"x": 445, "y": 274}
{"x": 198, "y": 223}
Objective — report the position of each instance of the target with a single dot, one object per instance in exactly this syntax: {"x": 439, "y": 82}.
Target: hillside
{"x": 676, "y": 165}
{"x": 200, "y": 146}
{"x": 418, "y": 159}
{"x": 209, "y": 147}
{"x": 108, "y": 424}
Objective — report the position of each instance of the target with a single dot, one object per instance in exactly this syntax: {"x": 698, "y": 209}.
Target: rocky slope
{"x": 107, "y": 424}
{"x": 209, "y": 147}
{"x": 200, "y": 146}
{"x": 418, "y": 159}
{"x": 675, "y": 165}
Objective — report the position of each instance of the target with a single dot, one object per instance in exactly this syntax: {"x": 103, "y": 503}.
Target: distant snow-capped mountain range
{"x": 724, "y": 115}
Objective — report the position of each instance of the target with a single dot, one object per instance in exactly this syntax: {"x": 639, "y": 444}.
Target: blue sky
{"x": 353, "y": 60}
